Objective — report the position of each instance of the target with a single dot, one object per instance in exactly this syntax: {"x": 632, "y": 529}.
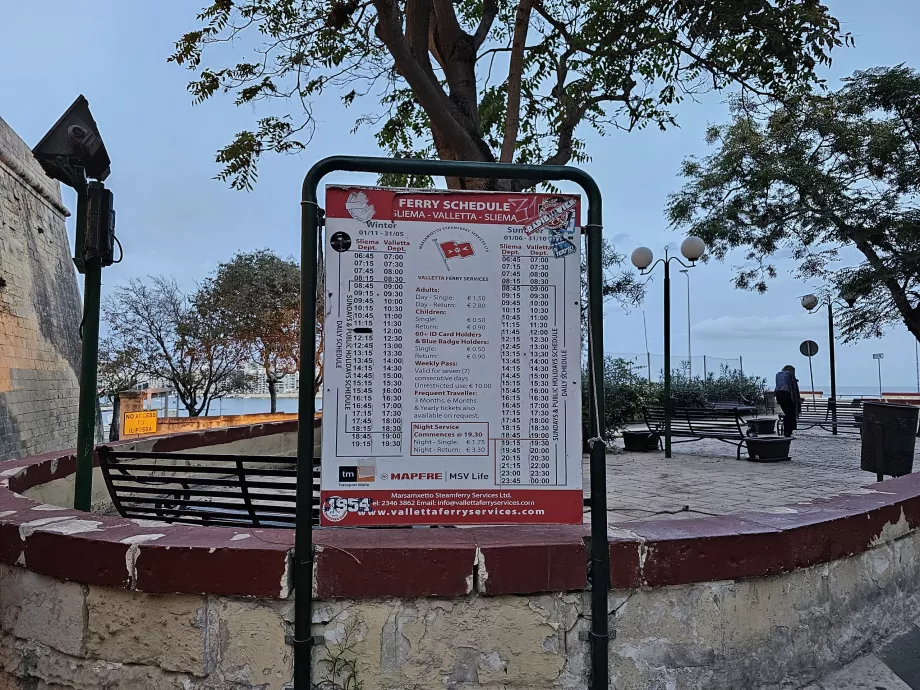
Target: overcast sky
{"x": 175, "y": 219}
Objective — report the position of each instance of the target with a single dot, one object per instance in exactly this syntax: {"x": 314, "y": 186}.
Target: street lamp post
{"x": 72, "y": 152}
{"x": 812, "y": 304}
{"x": 878, "y": 357}
{"x": 642, "y": 258}
{"x": 686, "y": 272}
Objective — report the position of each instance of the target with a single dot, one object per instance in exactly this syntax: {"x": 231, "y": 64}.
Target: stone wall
{"x": 40, "y": 309}
{"x": 757, "y": 634}
{"x": 56, "y": 635}
{"x": 761, "y": 600}
{"x": 179, "y": 425}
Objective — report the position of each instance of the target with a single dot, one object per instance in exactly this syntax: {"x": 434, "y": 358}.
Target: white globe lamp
{"x": 810, "y": 302}
{"x": 642, "y": 258}
{"x": 693, "y": 248}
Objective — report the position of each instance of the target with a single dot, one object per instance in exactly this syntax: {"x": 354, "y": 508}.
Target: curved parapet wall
{"x": 754, "y": 600}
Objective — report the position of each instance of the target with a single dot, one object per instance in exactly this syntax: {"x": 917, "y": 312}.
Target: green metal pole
{"x": 830, "y": 349}
{"x": 306, "y": 410}
{"x": 600, "y": 551}
{"x": 303, "y": 540}
{"x": 86, "y": 419}
{"x": 830, "y": 338}
{"x": 668, "y": 408}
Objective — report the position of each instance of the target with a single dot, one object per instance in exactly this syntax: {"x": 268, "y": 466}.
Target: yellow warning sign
{"x": 140, "y": 422}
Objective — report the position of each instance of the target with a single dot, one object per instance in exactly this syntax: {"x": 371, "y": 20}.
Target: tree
{"x": 119, "y": 370}
{"x": 491, "y": 80}
{"x": 193, "y": 351}
{"x": 620, "y": 286}
{"x": 256, "y": 295}
{"x": 826, "y": 178}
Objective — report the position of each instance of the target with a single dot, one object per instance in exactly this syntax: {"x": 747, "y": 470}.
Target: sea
{"x": 245, "y": 405}
{"x": 868, "y": 391}
{"x": 256, "y": 404}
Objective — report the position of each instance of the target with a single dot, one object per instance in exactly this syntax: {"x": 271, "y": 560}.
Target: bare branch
{"x": 489, "y": 12}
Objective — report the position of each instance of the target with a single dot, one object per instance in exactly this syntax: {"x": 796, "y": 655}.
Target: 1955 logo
{"x": 335, "y": 508}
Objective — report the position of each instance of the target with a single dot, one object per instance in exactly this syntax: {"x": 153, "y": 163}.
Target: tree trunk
{"x": 272, "y": 394}
{"x": 912, "y": 320}
{"x": 515, "y": 71}
{"x": 115, "y": 426}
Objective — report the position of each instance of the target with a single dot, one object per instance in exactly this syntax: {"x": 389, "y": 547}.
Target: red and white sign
{"x": 455, "y": 250}
{"x": 452, "y": 387}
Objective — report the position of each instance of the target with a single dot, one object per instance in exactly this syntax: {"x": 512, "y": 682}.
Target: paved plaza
{"x": 704, "y": 478}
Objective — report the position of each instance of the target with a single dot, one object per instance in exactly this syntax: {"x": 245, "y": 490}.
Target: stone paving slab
{"x": 868, "y": 673}
{"x": 705, "y": 478}
{"x": 902, "y": 656}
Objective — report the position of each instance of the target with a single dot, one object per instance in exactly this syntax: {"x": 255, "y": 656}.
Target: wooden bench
{"x": 744, "y": 406}
{"x": 695, "y": 424}
{"x": 205, "y": 489}
{"x": 819, "y": 413}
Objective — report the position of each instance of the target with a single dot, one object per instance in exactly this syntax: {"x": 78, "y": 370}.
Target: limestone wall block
{"x": 39, "y": 666}
{"x": 131, "y": 627}
{"x": 500, "y": 642}
{"x": 40, "y": 608}
{"x": 249, "y": 644}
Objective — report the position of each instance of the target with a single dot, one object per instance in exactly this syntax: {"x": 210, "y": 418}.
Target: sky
{"x": 174, "y": 219}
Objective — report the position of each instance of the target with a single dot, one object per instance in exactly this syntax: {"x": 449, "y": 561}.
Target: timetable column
{"x": 538, "y": 308}
{"x": 359, "y": 355}
{"x": 393, "y": 326}
{"x": 509, "y": 447}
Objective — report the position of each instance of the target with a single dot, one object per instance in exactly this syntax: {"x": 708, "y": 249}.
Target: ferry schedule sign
{"x": 452, "y": 390}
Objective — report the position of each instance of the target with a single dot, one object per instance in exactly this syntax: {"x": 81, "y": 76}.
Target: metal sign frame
{"x": 310, "y": 230}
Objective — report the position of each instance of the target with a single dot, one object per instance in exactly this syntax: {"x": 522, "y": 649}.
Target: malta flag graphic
{"x": 456, "y": 250}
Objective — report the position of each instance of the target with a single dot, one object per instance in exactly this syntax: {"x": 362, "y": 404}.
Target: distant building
{"x": 288, "y": 384}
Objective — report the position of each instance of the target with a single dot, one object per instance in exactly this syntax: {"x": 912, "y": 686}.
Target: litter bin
{"x": 640, "y": 441}
{"x": 769, "y": 401}
{"x": 889, "y": 432}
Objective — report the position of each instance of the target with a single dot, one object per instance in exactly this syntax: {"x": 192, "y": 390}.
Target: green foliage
{"x": 820, "y": 178}
{"x": 625, "y": 394}
{"x": 440, "y": 74}
{"x": 695, "y": 391}
{"x": 119, "y": 369}
{"x": 338, "y": 669}
{"x": 627, "y": 391}
{"x": 616, "y": 284}
{"x": 256, "y": 295}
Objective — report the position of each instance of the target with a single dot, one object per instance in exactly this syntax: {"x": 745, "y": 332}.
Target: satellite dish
{"x": 809, "y": 348}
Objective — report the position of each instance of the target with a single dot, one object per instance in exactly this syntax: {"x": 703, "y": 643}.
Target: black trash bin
{"x": 888, "y": 430}
{"x": 769, "y": 401}
{"x": 640, "y": 441}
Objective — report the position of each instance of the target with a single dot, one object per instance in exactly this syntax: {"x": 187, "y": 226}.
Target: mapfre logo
{"x": 417, "y": 476}
{"x": 359, "y": 206}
